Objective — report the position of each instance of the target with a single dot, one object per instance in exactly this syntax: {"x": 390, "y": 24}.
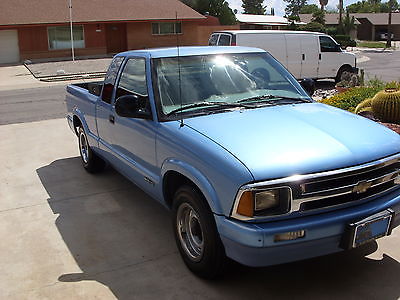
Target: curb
{"x": 66, "y": 77}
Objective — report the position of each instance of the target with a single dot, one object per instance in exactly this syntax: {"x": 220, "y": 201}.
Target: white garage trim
{"x": 9, "y": 49}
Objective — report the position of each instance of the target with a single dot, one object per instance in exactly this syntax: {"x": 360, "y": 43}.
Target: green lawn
{"x": 371, "y": 44}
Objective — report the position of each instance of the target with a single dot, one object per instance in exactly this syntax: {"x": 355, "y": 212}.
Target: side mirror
{"x": 132, "y": 106}
{"x": 308, "y": 85}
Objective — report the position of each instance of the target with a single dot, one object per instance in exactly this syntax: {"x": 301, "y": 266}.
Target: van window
{"x": 328, "y": 45}
{"x": 213, "y": 40}
{"x": 224, "y": 40}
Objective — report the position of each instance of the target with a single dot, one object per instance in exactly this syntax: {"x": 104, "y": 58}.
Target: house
{"x": 370, "y": 26}
{"x": 248, "y": 21}
{"x": 41, "y": 29}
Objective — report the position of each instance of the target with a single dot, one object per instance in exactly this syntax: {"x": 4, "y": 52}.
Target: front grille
{"x": 351, "y": 184}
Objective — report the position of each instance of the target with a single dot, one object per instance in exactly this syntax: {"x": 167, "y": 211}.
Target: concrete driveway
{"x": 66, "y": 234}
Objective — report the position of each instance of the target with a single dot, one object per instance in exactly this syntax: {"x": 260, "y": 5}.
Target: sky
{"x": 280, "y": 5}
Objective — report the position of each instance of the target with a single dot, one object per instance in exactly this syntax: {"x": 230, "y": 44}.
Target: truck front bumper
{"x": 253, "y": 244}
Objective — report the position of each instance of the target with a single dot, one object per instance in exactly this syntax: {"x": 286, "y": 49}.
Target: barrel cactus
{"x": 386, "y": 105}
{"x": 364, "y": 105}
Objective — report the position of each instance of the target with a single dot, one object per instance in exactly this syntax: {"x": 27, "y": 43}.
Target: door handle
{"x": 304, "y": 56}
{"x": 320, "y": 56}
{"x": 111, "y": 118}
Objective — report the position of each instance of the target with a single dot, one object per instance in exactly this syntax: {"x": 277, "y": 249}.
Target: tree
{"x": 348, "y": 23}
{"x": 216, "y": 8}
{"x": 293, "y": 7}
{"x": 253, "y": 7}
{"x": 318, "y": 17}
{"x": 309, "y": 9}
{"x": 372, "y": 6}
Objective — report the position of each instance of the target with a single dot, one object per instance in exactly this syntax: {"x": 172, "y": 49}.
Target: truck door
{"x": 294, "y": 54}
{"x": 330, "y": 57}
{"x": 133, "y": 139}
{"x": 310, "y": 56}
{"x": 103, "y": 106}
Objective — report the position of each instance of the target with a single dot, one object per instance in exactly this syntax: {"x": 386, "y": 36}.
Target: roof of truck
{"x": 190, "y": 51}
{"x": 269, "y": 32}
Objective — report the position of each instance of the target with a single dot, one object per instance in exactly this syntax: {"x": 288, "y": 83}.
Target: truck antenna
{"x": 179, "y": 68}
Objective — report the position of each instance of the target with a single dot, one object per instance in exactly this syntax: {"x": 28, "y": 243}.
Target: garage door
{"x": 9, "y": 50}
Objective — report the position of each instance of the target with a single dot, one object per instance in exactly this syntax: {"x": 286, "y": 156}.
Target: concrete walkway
{"x": 67, "y": 234}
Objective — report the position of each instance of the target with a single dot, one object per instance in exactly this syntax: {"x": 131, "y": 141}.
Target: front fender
{"x": 197, "y": 177}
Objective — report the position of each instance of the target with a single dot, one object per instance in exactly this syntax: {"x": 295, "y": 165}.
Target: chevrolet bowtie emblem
{"x": 362, "y": 187}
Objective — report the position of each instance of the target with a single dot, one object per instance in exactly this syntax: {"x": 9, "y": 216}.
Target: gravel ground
{"x": 62, "y": 68}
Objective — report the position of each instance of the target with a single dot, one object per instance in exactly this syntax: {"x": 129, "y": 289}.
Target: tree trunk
{"x": 389, "y": 28}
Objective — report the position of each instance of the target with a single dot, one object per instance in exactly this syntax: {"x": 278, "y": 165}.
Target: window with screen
{"x": 60, "y": 37}
{"x": 109, "y": 80}
{"x": 166, "y": 28}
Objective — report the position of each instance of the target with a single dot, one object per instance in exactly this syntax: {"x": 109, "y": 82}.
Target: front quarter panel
{"x": 216, "y": 172}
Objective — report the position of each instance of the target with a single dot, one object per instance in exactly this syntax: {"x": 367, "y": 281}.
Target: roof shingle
{"x": 19, "y": 12}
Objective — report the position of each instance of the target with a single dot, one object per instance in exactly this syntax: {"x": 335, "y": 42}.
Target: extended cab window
{"x": 110, "y": 78}
{"x": 133, "y": 81}
{"x": 328, "y": 45}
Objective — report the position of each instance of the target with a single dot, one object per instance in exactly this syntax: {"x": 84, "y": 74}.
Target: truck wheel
{"x": 90, "y": 161}
{"x": 196, "y": 234}
{"x": 340, "y": 72}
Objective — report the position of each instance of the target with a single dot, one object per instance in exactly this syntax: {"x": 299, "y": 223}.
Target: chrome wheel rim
{"x": 84, "y": 147}
{"x": 190, "y": 231}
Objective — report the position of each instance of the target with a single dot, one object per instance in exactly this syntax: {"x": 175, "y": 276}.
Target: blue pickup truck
{"x": 251, "y": 167}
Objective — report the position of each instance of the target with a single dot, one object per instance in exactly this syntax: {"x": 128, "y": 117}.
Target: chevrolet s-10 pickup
{"x": 251, "y": 167}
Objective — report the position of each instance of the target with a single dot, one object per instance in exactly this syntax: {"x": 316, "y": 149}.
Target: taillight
{"x": 233, "y": 43}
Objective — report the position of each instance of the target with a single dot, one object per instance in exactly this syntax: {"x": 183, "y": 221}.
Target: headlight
{"x": 253, "y": 204}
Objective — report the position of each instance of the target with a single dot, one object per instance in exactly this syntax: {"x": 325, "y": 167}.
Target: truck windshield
{"x": 225, "y": 80}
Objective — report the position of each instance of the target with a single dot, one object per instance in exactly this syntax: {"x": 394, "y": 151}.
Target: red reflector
{"x": 233, "y": 44}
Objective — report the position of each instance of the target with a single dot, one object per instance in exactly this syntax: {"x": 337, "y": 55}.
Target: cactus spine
{"x": 386, "y": 105}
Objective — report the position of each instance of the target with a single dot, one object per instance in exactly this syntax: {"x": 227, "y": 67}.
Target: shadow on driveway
{"x": 123, "y": 239}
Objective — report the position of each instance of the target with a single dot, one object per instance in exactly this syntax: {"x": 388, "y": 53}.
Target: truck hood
{"x": 279, "y": 141}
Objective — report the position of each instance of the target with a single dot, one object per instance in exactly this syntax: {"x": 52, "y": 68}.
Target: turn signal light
{"x": 246, "y": 204}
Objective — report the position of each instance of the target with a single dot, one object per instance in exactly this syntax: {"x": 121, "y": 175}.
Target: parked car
{"x": 251, "y": 167}
{"x": 384, "y": 36}
{"x": 305, "y": 54}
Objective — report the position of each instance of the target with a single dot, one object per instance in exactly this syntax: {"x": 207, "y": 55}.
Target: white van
{"x": 305, "y": 54}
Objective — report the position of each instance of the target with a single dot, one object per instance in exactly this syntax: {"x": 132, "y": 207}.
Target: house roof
{"x": 374, "y": 18}
{"x": 20, "y": 12}
{"x": 262, "y": 19}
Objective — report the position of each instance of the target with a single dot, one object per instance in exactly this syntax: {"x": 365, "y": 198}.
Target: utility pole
{"x": 72, "y": 32}
{"x": 389, "y": 28}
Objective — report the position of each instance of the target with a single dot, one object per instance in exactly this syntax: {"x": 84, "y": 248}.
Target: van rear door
{"x": 294, "y": 57}
{"x": 213, "y": 39}
{"x": 310, "y": 55}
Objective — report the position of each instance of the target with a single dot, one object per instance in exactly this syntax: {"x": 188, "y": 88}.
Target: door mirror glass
{"x": 308, "y": 85}
{"x": 132, "y": 106}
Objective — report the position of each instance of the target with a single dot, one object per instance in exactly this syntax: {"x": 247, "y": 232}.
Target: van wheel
{"x": 341, "y": 71}
{"x": 90, "y": 161}
{"x": 196, "y": 234}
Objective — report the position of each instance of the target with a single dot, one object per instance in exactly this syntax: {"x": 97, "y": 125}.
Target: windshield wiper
{"x": 275, "y": 99}
{"x": 207, "y": 104}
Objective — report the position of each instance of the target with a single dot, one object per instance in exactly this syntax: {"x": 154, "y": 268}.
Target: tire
{"x": 90, "y": 161}
{"x": 196, "y": 235}
{"x": 340, "y": 72}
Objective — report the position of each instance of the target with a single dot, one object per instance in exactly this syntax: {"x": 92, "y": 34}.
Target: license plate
{"x": 371, "y": 228}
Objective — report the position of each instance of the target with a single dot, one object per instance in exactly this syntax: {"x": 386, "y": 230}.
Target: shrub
{"x": 350, "y": 99}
